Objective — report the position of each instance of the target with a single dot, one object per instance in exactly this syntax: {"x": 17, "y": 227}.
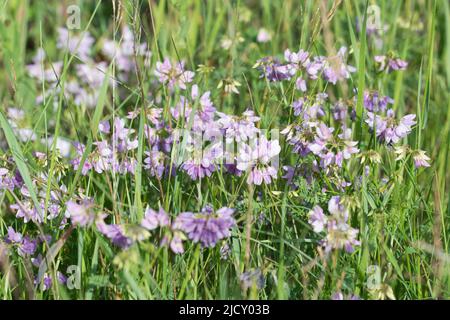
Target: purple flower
{"x": 81, "y": 214}
{"x": 300, "y": 136}
{"x": 335, "y": 68}
{"x": 390, "y": 63}
{"x": 13, "y": 236}
{"x": 62, "y": 279}
{"x": 333, "y": 149}
{"x": 257, "y": 160}
{"x": 339, "y": 234}
{"x": 76, "y": 45}
{"x": 154, "y": 162}
{"x": 27, "y": 247}
{"x": 153, "y": 219}
{"x": 310, "y": 109}
{"x": 206, "y": 227}
{"x": 341, "y": 112}
{"x": 272, "y": 69}
{"x": 238, "y": 128}
{"x": 373, "y": 102}
{"x": 420, "y": 159}
{"x": 317, "y": 219}
{"x": 27, "y": 211}
{"x": 115, "y": 233}
{"x": 387, "y": 128}
{"x": 296, "y": 61}
{"x": 173, "y": 75}
{"x": 300, "y": 84}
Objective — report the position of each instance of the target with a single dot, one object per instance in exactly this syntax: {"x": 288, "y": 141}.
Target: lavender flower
{"x": 335, "y": 68}
{"x": 257, "y": 160}
{"x": 238, "y": 129}
{"x": 333, "y": 149}
{"x": 206, "y": 227}
{"x": 153, "y": 219}
{"x": 339, "y": 234}
{"x": 374, "y": 102}
{"x": 387, "y": 128}
{"x": 390, "y": 63}
{"x": 174, "y": 75}
{"x": 81, "y": 214}
{"x": 420, "y": 159}
{"x": 317, "y": 219}
{"x": 113, "y": 232}
{"x": 76, "y": 45}
{"x": 272, "y": 69}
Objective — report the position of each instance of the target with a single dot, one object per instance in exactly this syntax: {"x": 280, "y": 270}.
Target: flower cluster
{"x": 302, "y": 66}
{"x": 112, "y": 154}
{"x": 208, "y": 226}
{"x": 338, "y": 233}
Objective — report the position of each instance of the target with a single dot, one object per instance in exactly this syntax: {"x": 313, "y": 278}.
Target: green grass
{"x": 404, "y": 223}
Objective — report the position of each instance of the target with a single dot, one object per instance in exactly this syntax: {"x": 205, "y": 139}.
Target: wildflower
{"x": 317, "y": 219}
{"x": 272, "y": 69}
{"x": 206, "y": 108}
{"x": 27, "y": 211}
{"x": 123, "y": 53}
{"x": 201, "y": 163}
{"x": 153, "y": 219}
{"x": 113, "y": 232}
{"x": 207, "y": 226}
{"x": 13, "y": 236}
{"x": 300, "y": 136}
{"x": 310, "y": 109}
{"x": 6, "y": 180}
{"x": 341, "y": 111}
{"x": 173, "y": 74}
{"x": 420, "y": 159}
{"x": 296, "y": 61}
{"x": 76, "y": 45}
{"x": 175, "y": 241}
{"x": 27, "y": 247}
{"x": 225, "y": 251}
{"x": 257, "y": 160}
{"x": 263, "y": 36}
{"x": 104, "y": 126}
{"x": 300, "y": 84}
{"x": 81, "y": 214}
{"x": 339, "y": 234}
{"x": 387, "y": 128}
{"x": 154, "y": 162}
{"x": 237, "y": 128}
{"x": 332, "y": 149}
{"x": 390, "y": 63}
{"x": 374, "y": 102}
{"x": 335, "y": 69}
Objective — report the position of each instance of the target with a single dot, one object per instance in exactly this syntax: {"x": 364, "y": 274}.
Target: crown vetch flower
{"x": 81, "y": 214}
{"x": 388, "y": 128}
{"x": 174, "y": 75}
{"x": 333, "y": 149}
{"x": 339, "y": 234}
{"x": 257, "y": 159}
{"x": 207, "y": 226}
